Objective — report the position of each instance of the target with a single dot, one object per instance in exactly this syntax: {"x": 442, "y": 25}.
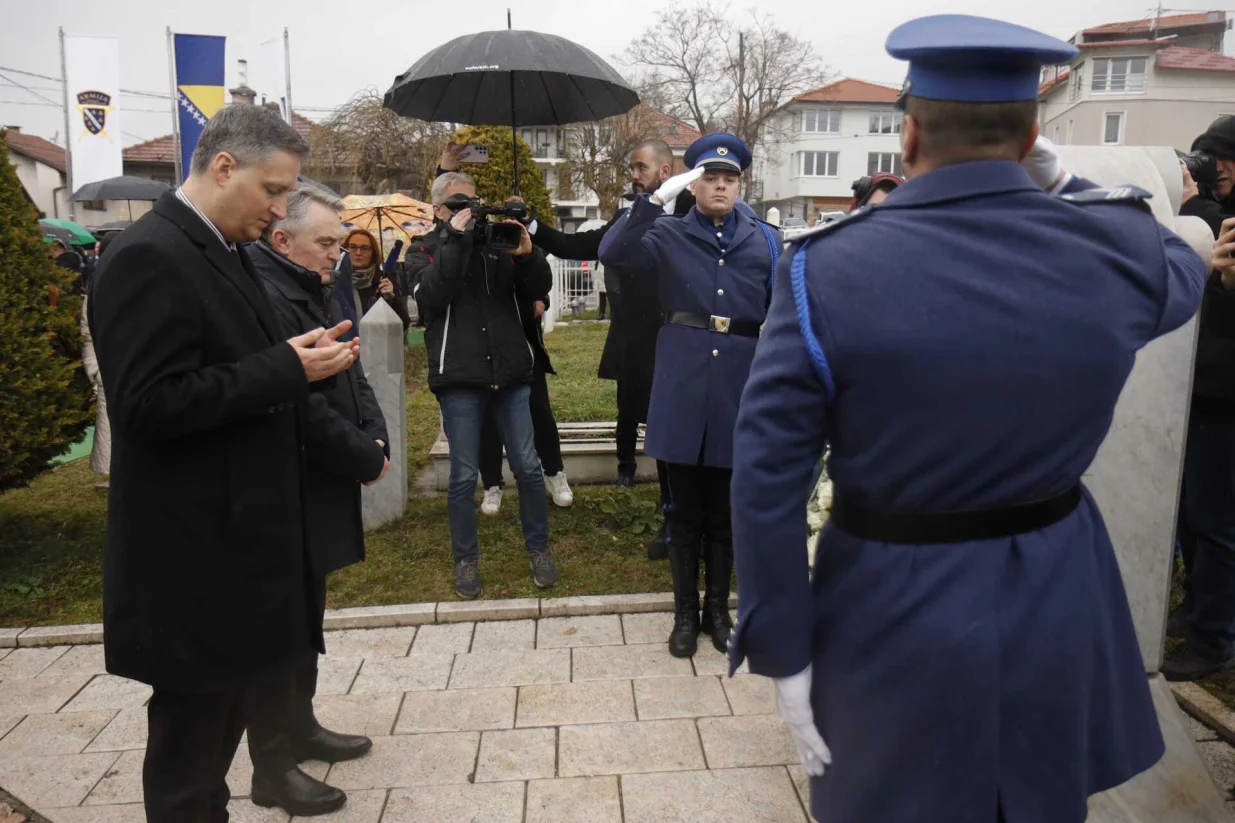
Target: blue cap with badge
{"x": 965, "y": 59}
{"x": 718, "y": 151}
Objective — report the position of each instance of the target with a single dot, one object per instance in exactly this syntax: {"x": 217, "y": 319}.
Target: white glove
{"x": 675, "y": 185}
{"x": 793, "y": 702}
{"x": 1044, "y": 166}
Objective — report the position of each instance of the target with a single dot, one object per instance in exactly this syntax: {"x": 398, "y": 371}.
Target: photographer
{"x": 479, "y": 360}
{"x": 1207, "y": 503}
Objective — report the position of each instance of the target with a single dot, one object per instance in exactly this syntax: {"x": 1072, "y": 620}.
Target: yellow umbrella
{"x": 387, "y": 216}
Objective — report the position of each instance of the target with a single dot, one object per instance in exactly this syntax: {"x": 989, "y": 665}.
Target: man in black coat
{"x": 346, "y": 445}
{"x": 630, "y": 349}
{"x": 208, "y": 585}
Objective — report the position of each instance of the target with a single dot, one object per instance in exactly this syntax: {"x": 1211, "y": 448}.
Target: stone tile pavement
{"x": 564, "y": 719}
{"x": 567, "y": 719}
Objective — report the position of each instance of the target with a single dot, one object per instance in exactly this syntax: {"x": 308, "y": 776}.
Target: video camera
{"x": 1203, "y": 167}
{"x": 495, "y": 235}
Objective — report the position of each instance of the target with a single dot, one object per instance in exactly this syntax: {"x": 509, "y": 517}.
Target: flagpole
{"x": 287, "y": 72}
{"x": 171, "y": 71}
{"x": 68, "y": 140}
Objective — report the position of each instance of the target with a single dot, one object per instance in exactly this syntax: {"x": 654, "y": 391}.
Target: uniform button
{"x": 720, "y": 234}
{"x": 482, "y": 328}
{"x": 715, "y": 353}
{"x": 721, "y": 292}
{"x": 487, "y": 357}
{"x": 720, "y": 262}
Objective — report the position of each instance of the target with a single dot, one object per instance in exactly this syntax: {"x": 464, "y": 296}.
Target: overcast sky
{"x": 338, "y": 48}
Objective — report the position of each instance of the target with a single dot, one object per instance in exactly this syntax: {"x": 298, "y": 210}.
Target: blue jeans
{"x": 1208, "y": 536}
{"x": 463, "y": 412}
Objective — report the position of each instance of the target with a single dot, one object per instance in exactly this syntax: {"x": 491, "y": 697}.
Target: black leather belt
{"x": 891, "y": 526}
{"x": 720, "y": 325}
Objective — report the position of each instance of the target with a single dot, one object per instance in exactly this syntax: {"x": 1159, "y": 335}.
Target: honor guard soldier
{"x": 714, "y": 267}
{"x": 961, "y": 348}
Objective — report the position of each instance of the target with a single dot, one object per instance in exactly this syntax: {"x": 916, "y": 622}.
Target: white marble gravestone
{"x": 1136, "y": 478}
{"x": 381, "y": 355}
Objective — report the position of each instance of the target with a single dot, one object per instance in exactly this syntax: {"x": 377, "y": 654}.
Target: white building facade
{"x": 828, "y": 139}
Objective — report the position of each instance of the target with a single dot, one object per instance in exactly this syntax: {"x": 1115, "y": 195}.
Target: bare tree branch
{"x": 596, "y": 153}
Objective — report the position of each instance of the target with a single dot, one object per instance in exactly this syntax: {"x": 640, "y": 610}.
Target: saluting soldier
{"x": 714, "y": 267}
{"x": 961, "y": 347}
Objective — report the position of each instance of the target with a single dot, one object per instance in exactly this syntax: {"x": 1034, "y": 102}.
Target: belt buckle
{"x": 719, "y": 324}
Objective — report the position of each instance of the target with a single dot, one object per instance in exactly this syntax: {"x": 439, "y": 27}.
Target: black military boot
{"x": 657, "y": 550}
{"x": 296, "y": 793}
{"x": 717, "y": 573}
{"x": 684, "y": 562}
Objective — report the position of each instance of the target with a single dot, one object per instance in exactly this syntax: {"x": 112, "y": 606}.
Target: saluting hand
{"x": 675, "y": 185}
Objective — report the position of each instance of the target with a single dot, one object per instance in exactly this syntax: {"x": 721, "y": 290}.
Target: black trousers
{"x": 544, "y": 428}
{"x": 288, "y": 700}
{"x": 698, "y": 506}
{"x": 192, "y": 740}
{"x": 627, "y": 436}
{"x": 600, "y": 315}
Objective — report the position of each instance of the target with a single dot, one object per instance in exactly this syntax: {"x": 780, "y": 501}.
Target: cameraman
{"x": 480, "y": 363}
{"x": 1207, "y": 503}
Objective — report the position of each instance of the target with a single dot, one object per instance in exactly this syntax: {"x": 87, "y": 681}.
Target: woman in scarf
{"x": 369, "y": 282}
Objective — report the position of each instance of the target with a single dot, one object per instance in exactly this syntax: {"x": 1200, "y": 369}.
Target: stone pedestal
{"x": 381, "y": 355}
{"x": 1136, "y": 479}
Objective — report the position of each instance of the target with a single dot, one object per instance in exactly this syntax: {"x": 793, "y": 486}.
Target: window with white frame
{"x": 1068, "y": 134}
{"x": 1112, "y": 128}
{"x": 1078, "y": 82}
{"x": 826, "y": 121}
{"x": 1055, "y": 135}
{"x": 886, "y": 122}
{"x": 1118, "y": 75}
{"x": 819, "y": 163}
{"x": 889, "y": 162}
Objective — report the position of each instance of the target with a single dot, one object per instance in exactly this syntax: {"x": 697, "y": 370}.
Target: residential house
{"x": 824, "y": 140}
{"x": 40, "y": 169}
{"x": 573, "y": 205}
{"x": 1154, "y": 82}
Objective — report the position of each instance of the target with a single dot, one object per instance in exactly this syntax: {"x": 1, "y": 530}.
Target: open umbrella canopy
{"x": 510, "y": 78}
{"x": 66, "y": 230}
{"x": 114, "y": 225}
{"x": 122, "y": 188}
{"x": 387, "y": 216}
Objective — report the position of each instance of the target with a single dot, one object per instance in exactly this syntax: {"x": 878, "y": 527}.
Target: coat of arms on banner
{"x": 94, "y": 106}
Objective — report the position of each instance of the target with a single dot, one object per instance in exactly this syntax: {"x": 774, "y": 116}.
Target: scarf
{"x": 364, "y": 278}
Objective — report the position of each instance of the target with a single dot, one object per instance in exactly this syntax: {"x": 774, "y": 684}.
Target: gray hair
{"x": 248, "y": 133}
{"x": 298, "y": 200}
{"x": 447, "y": 181}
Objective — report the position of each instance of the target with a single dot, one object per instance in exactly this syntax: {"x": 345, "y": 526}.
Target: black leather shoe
{"x": 684, "y": 639}
{"x": 626, "y": 481}
{"x": 1185, "y": 664}
{"x": 657, "y": 550}
{"x": 332, "y": 747}
{"x": 296, "y": 793}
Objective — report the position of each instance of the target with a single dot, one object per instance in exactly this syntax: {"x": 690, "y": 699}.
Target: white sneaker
{"x": 560, "y": 489}
{"x": 492, "y": 503}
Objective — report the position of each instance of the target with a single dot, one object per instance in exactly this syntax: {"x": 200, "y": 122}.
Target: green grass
{"x": 51, "y": 534}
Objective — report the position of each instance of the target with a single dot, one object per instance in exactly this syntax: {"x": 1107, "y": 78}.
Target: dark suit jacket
{"x": 207, "y": 578}
{"x": 630, "y": 348}
{"x": 344, "y": 420}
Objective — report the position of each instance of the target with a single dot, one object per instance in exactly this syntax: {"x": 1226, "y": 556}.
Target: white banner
{"x": 273, "y": 74}
{"x": 92, "y": 66}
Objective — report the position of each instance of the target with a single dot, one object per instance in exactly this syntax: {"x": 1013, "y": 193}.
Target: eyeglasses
{"x": 353, "y": 249}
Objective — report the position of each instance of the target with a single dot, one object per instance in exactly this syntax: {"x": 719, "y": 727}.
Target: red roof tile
{"x": 850, "y": 90}
{"x": 163, "y": 149}
{"x": 677, "y": 134}
{"x": 36, "y": 148}
{"x": 1119, "y": 44}
{"x": 1167, "y": 23}
{"x": 1178, "y": 57}
{"x": 1050, "y": 86}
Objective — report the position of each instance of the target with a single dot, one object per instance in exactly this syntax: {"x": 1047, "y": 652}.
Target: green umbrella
{"x": 77, "y": 233}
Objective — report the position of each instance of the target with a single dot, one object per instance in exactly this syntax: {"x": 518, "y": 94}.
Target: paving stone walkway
{"x": 556, "y": 720}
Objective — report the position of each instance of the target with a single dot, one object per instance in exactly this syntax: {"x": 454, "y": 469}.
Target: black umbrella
{"x": 122, "y": 188}
{"x": 114, "y": 225}
{"x": 515, "y": 78}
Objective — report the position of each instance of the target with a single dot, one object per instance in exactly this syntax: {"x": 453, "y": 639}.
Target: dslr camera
{"x": 1203, "y": 167}
{"x": 494, "y": 235}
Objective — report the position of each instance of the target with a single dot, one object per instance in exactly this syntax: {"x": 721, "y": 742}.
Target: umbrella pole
{"x": 130, "y": 202}
{"x": 514, "y": 137}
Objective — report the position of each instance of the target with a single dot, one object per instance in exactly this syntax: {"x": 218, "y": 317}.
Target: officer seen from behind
{"x": 965, "y": 646}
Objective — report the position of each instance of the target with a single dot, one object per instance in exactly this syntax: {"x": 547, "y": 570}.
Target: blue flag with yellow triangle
{"x": 199, "y": 87}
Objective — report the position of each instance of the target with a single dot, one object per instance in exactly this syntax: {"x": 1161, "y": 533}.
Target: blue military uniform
{"x": 961, "y": 348}
{"x": 714, "y": 278}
